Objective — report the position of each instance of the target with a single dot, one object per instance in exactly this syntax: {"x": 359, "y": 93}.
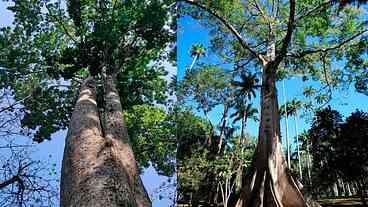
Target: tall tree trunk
{"x": 309, "y": 164}
{"x": 91, "y": 175}
{"x": 286, "y": 126}
{"x": 117, "y": 137}
{"x": 268, "y": 182}
{"x": 99, "y": 168}
{"x": 297, "y": 144}
{"x": 242, "y": 129}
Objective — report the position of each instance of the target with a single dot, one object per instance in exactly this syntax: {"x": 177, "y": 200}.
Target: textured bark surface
{"x": 91, "y": 175}
{"x": 116, "y": 133}
{"x": 269, "y": 183}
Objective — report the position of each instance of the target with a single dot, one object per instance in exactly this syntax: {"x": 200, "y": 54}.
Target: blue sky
{"x": 53, "y": 150}
{"x": 192, "y": 32}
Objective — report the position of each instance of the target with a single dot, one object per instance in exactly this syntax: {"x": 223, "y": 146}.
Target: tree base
{"x": 269, "y": 183}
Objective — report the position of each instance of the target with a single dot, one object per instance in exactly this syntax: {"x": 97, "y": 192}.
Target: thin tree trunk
{"x": 297, "y": 145}
{"x": 341, "y": 184}
{"x": 90, "y": 175}
{"x": 117, "y": 135}
{"x": 335, "y": 189}
{"x": 309, "y": 163}
{"x": 268, "y": 182}
{"x": 223, "y": 125}
{"x": 348, "y": 188}
{"x": 286, "y": 125}
{"x": 242, "y": 129}
{"x": 193, "y": 62}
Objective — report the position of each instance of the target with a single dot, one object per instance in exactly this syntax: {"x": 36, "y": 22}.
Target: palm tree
{"x": 286, "y": 124}
{"x": 196, "y": 51}
{"x": 294, "y": 106}
{"x": 305, "y": 144}
{"x": 247, "y": 86}
{"x": 243, "y": 112}
{"x": 245, "y": 89}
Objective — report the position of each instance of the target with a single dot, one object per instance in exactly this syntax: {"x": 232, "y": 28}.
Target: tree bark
{"x": 116, "y": 134}
{"x": 92, "y": 171}
{"x": 269, "y": 183}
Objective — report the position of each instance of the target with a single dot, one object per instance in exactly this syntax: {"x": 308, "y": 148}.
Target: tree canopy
{"x": 51, "y": 46}
{"x": 326, "y": 42}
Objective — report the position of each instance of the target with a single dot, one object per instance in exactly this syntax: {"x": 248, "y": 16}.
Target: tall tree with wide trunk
{"x": 113, "y": 52}
{"x": 99, "y": 166}
{"x": 265, "y": 35}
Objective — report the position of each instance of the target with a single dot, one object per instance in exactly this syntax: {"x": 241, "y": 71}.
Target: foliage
{"x": 339, "y": 149}
{"x": 199, "y": 175}
{"x": 246, "y": 87}
{"x": 353, "y": 148}
{"x": 207, "y": 86}
{"x": 50, "y": 45}
{"x": 197, "y": 50}
{"x": 328, "y": 42}
{"x": 152, "y": 133}
{"x": 210, "y": 159}
{"x": 192, "y": 132}
{"x": 244, "y": 111}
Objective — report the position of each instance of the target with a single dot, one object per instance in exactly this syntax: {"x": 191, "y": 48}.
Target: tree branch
{"x": 9, "y": 181}
{"x": 290, "y": 28}
{"x": 230, "y": 27}
{"x": 58, "y": 20}
{"x": 314, "y": 9}
{"x": 334, "y": 47}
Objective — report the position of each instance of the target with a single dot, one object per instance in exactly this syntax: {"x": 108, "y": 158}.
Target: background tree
{"x": 335, "y": 148}
{"x": 207, "y": 88}
{"x": 196, "y": 52}
{"x": 292, "y": 108}
{"x": 353, "y": 151}
{"x": 153, "y": 129}
{"x": 25, "y": 181}
{"x": 243, "y": 113}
